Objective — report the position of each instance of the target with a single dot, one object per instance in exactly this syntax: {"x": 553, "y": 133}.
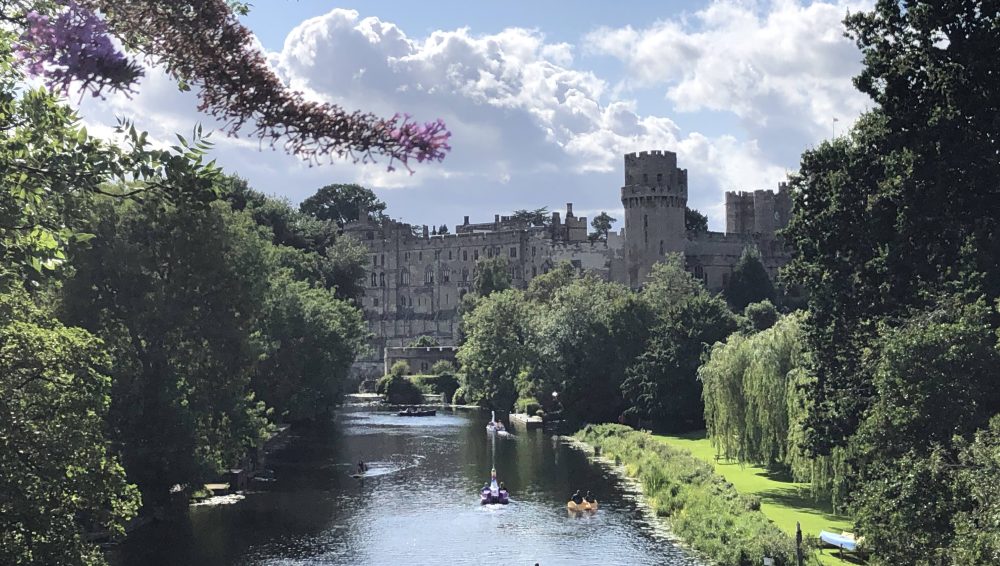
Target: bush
{"x": 399, "y": 390}
{"x": 443, "y": 367}
{"x": 423, "y": 342}
{"x": 459, "y": 398}
{"x": 527, "y": 405}
{"x": 703, "y": 508}
{"x": 399, "y": 368}
{"x": 444, "y": 384}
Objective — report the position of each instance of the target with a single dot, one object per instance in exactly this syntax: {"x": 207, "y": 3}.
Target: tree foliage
{"x": 695, "y": 222}
{"x": 57, "y": 471}
{"x": 342, "y": 204}
{"x": 601, "y": 225}
{"x": 536, "y": 217}
{"x": 749, "y": 282}
{"x": 491, "y": 275}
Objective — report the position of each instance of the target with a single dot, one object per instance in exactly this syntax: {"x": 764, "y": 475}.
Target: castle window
{"x": 489, "y": 252}
{"x": 420, "y": 256}
{"x": 411, "y": 301}
{"x": 374, "y": 280}
{"x": 661, "y": 247}
{"x": 406, "y": 256}
{"x": 374, "y": 261}
{"x": 534, "y": 271}
{"x": 475, "y": 255}
{"x": 465, "y": 255}
{"x": 404, "y": 277}
{"x": 402, "y": 301}
{"x": 659, "y": 178}
{"x": 532, "y": 251}
{"x": 383, "y": 260}
{"x": 449, "y": 254}
{"x": 465, "y": 274}
{"x": 423, "y": 366}
{"x": 446, "y": 276}
{"x": 381, "y": 279}
{"x": 447, "y": 299}
{"x": 513, "y": 252}
{"x": 375, "y": 301}
{"x": 437, "y": 254}
{"x": 429, "y": 276}
{"x": 645, "y": 179}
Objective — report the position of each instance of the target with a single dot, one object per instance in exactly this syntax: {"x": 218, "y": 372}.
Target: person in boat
{"x": 577, "y": 498}
{"x": 589, "y": 498}
{"x": 362, "y": 467}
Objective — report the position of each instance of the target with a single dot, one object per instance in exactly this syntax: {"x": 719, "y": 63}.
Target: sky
{"x": 543, "y": 98}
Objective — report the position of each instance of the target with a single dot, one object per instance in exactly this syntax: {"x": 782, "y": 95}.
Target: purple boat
{"x": 493, "y": 495}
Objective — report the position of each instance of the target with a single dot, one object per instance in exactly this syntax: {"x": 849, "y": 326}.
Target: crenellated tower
{"x": 654, "y": 196}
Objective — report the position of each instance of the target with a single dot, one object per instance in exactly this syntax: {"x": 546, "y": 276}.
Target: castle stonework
{"x": 415, "y": 280}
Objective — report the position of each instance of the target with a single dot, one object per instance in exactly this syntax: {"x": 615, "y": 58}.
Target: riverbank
{"x": 703, "y": 509}
{"x": 784, "y": 502}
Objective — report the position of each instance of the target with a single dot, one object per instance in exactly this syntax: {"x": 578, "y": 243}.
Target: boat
{"x": 414, "y": 413}
{"x": 844, "y": 541}
{"x": 492, "y": 494}
{"x": 582, "y": 507}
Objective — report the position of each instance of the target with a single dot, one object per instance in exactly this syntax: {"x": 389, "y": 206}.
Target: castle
{"x": 416, "y": 279}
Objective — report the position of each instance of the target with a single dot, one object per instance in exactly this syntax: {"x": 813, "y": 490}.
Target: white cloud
{"x": 782, "y": 67}
{"x": 529, "y": 129}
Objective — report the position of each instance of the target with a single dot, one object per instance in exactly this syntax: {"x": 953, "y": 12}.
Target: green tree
{"x": 662, "y": 385}
{"x": 423, "y": 342}
{"x": 491, "y": 275}
{"x": 342, "y": 203}
{"x": 761, "y": 316}
{"x": 537, "y": 217}
{"x": 443, "y": 229}
{"x": 498, "y": 348}
{"x": 749, "y": 282}
{"x": 177, "y": 294}
{"x": 57, "y": 473}
{"x": 601, "y": 225}
{"x": 312, "y": 340}
{"x": 695, "y": 222}
{"x": 543, "y": 288}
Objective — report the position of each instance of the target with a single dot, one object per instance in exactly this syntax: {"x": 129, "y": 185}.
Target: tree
{"x": 58, "y": 476}
{"x": 761, "y": 316}
{"x": 177, "y": 294}
{"x": 342, "y": 203}
{"x": 498, "y": 348}
{"x": 491, "y": 275}
{"x": 67, "y": 42}
{"x": 695, "y": 222}
{"x": 601, "y": 225}
{"x": 749, "y": 282}
{"x": 543, "y": 288}
{"x": 312, "y": 340}
{"x": 662, "y": 385}
{"x": 537, "y": 217}
{"x": 423, "y": 342}
{"x": 443, "y": 229}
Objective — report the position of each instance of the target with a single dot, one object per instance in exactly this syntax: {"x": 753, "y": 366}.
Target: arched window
{"x": 465, "y": 255}
{"x": 429, "y": 275}
{"x": 374, "y": 280}
{"x": 661, "y": 247}
{"x": 381, "y": 279}
{"x": 659, "y": 178}
{"x": 404, "y": 277}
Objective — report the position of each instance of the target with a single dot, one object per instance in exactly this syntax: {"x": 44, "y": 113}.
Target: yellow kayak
{"x": 583, "y": 506}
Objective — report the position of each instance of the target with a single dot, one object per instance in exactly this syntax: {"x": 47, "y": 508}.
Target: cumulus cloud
{"x": 529, "y": 129}
{"x": 782, "y": 67}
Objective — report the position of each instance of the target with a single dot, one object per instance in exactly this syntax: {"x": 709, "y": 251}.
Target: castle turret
{"x": 654, "y": 197}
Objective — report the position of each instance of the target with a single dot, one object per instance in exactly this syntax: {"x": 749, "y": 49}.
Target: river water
{"x": 419, "y": 505}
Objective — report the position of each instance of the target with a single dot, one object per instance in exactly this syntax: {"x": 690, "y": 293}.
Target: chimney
{"x": 569, "y": 210}
{"x": 425, "y": 232}
{"x": 555, "y": 218}
{"x": 466, "y": 223}
{"x": 496, "y": 221}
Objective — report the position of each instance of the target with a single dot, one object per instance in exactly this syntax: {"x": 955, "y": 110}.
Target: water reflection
{"x": 418, "y": 505}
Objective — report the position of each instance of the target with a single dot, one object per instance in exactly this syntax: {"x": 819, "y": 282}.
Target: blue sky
{"x": 544, "y": 97}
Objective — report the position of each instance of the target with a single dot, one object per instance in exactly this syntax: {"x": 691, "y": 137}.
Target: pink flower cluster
{"x": 75, "y": 46}
{"x": 423, "y": 142}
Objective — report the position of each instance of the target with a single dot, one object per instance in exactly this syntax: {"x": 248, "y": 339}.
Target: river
{"x": 420, "y": 505}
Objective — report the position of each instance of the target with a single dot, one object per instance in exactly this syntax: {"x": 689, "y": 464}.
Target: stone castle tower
{"x": 654, "y": 196}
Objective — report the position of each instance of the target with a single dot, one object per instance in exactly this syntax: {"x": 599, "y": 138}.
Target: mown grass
{"x": 705, "y": 510}
{"x": 783, "y": 501}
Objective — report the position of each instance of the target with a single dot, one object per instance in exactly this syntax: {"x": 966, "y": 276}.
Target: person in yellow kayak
{"x": 577, "y": 499}
{"x": 590, "y": 498}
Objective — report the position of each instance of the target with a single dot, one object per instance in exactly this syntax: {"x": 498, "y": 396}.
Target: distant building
{"x": 415, "y": 280}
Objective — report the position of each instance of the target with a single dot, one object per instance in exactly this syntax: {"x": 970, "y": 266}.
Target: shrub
{"x": 527, "y": 405}
{"x": 445, "y": 384}
{"x": 443, "y": 367}
{"x": 399, "y": 368}
{"x": 399, "y": 390}
{"x": 459, "y": 398}
{"x": 423, "y": 342}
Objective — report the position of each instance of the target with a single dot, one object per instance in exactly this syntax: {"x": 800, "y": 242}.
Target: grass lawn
{"x": 783, "y": 501}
